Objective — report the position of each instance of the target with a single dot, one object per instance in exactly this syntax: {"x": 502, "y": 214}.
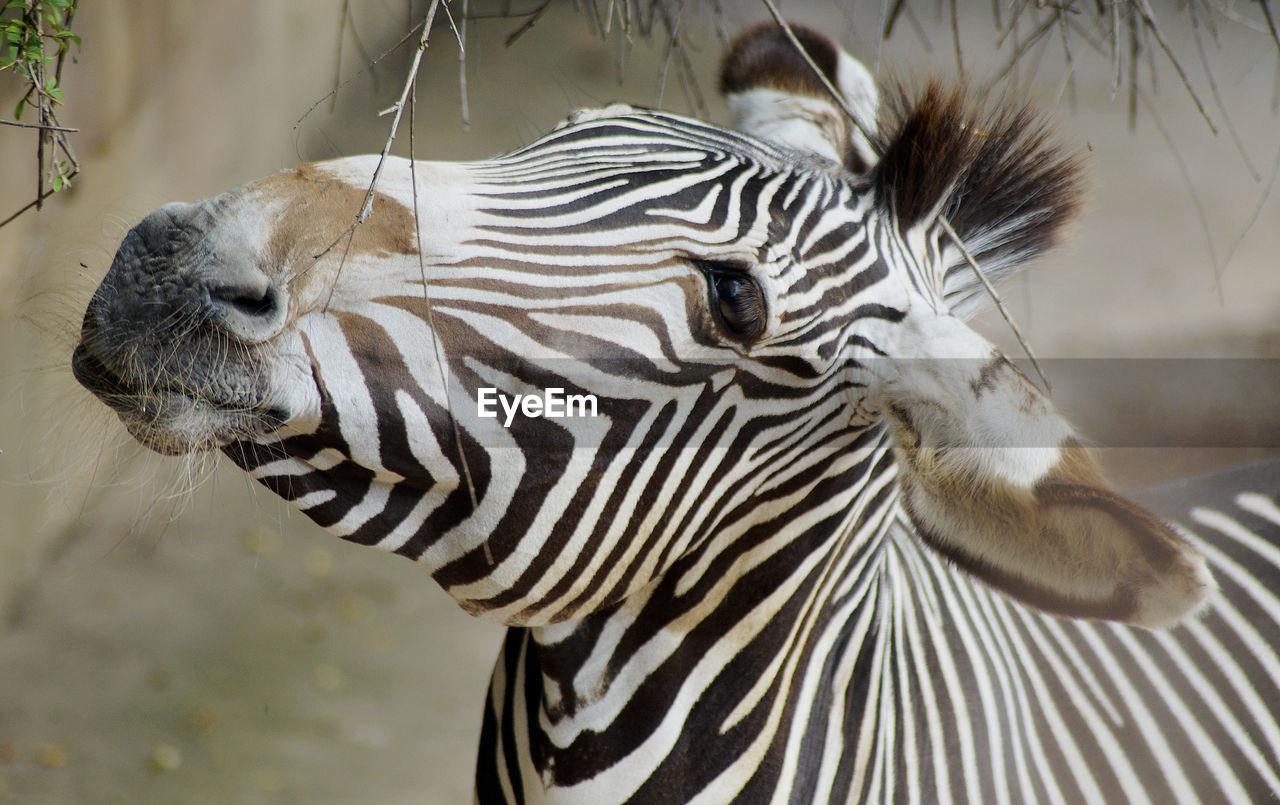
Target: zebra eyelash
{"x": 735, "y": 299}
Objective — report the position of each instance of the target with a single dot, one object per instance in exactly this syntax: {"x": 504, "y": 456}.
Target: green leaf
{"x": 17, "y": 110}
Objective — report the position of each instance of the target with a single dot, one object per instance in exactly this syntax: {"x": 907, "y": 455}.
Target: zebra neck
{"x": 709, "y": 655}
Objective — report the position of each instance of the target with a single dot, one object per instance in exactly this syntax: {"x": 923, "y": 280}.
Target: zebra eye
{"x": 736, "y": 299}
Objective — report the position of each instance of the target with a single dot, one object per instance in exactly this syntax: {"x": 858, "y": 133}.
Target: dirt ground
{"x": 171, "y": 633}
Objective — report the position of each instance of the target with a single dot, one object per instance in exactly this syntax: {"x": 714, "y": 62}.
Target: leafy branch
{"x": 35, "y": 39}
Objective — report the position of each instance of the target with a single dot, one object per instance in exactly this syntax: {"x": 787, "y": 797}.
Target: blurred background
{"x": 171, "y": 633}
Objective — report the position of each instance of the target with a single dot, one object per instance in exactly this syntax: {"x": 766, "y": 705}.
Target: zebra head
{"x": 751, "y": 325}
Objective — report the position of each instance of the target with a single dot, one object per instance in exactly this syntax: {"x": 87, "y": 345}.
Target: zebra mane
{"x": 995, "y": 175}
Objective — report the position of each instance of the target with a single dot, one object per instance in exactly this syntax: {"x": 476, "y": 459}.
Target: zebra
{"x": 819, "y": 542}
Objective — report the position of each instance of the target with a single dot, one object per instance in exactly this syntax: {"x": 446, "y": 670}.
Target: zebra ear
{"x": 773, "y": 94}
{"x": 1003, "y": 187}
{"x": 996, "y": 481}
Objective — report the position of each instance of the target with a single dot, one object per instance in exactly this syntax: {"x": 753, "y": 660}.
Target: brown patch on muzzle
{"x": 319, "y": 209}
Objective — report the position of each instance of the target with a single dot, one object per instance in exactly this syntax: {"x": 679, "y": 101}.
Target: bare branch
{"x": 1253, "y": 219}
{"x": 75, "y": 169}
{"x": 1135, "y": 46}
{"x": 337, "y": 66}
{"x": 995, "y": 297}
{"x": 359, "y": 73}
{"x": 1019, "y": 51}
{"x": 1271, "y": 21}
{"x": 461, "y": 35}
{"x": 1115, "y": 49}
{"x": 1069, "y": 83}
{"x": 398, "y": 110}
{"x": 41, "y": 126}
{"x": 1217, "y": 98}
{"x": 955, "y": 40}
{"x": 835, "y": 94}
{"x": 891, "y": 18}
{"x": 431, "y": 323}
{"x": 534, "y": 16}
{"x": 1150, "y": 20}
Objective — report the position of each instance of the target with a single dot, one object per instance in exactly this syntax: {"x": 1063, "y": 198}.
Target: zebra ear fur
{"x": 773, "y": 94}
{"x": 1005, "y": 190}
{"x": 996, "y": 481}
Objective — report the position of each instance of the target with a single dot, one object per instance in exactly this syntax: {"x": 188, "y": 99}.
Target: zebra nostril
{"x": 251, "y": 303}
{"x": 252, "y": 310}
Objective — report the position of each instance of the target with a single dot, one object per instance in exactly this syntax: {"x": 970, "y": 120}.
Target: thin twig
{"x": 1217, "y": 98}
{"x": 1013, "y": 24}
{"x": 684, "y": 68}
{"x": 62, "y": 52}
{"x": 462, "y": 68}
{"x": 534, "y": 16}
{"x": 1134, "y": 47}
{"x": 718, "y": 12}
{"x": 363, "y": 52}
{"x": 1020, "y": 50}
{"x": 1271, "y": 21}
{"x": 431, "y": 323}
{"x": 890, "y": 19}
{"x": 70, "y": 174}
{"x": 666, "y": 64}
{"x": 398, "y": 110}
{"x": 955, "y": 40}
{"x": 41, "y": 126}
{"x": 995, "y": 297}
{"x": 1253, "y": 219}
{"x": 37, "y": 81}
{"x": 337, "y": 66}
{"x": 460, "y": 35}
{"x": 919, "y": 30}
{"x": 1150, "y": 20}
{"x": 1038, "y": 54}
{"x": 361, "y": 72}
{"x": 835, "y": 94}
{"x": 1070, "y": 80}
{"x": 1115, "y": 49}
{"x": 1208, "y": 22}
